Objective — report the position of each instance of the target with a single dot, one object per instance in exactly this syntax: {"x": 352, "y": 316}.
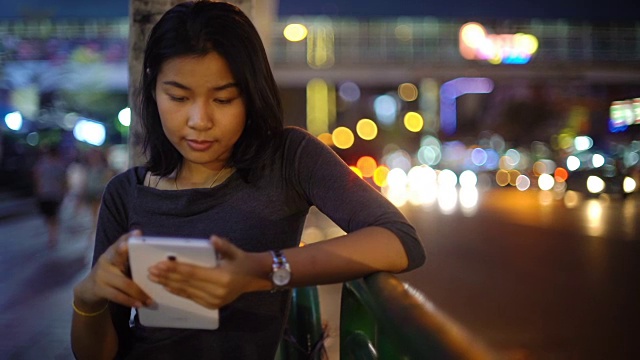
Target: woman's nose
{"x": 200, "y": 116}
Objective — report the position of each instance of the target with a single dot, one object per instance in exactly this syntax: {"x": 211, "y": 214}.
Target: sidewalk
{"x": 37, "y": 283}
{"x": 13, "y": 205}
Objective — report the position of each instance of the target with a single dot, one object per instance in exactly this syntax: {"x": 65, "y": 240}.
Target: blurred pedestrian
{"x": 77, "y": 183}
{"x": 97, "y": 175}
{"x": 50, "y": 180}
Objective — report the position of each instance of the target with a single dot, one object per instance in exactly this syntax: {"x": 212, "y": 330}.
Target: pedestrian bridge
{"x": 76, "y": 53}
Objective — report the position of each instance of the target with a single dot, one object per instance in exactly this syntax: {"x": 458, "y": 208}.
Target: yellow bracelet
{"x": 80, "y": 312}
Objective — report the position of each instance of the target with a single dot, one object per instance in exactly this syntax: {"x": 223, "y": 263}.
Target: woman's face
{"x": 201, "y": 108}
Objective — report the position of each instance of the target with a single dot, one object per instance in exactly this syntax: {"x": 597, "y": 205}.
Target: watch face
{"x": 281, "y": 277}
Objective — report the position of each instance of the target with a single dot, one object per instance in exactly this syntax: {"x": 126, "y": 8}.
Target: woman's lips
{"x": 199, "y": 145}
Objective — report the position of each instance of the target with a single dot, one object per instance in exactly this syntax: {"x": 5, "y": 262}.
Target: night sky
{"x": 588, "y": 10}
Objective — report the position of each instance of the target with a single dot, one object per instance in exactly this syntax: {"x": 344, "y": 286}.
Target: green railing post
{"x": 383, "y": 318}
{"x": 304, "y": 334}
{"x": 380, "y": 318}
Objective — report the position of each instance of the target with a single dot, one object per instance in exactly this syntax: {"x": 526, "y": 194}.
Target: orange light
{"x": 367, "y": 165}
{"x": 561, "y": 174}
{"x": 342, "y": 137}
{"x": 326, "y": 138}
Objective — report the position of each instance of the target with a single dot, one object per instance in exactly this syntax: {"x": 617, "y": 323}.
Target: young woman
{"x": 221, "y": 163}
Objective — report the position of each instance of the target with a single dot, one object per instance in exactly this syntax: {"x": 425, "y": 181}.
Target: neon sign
{"x": 476, "y": 44}
{"x": 623, "y": 113}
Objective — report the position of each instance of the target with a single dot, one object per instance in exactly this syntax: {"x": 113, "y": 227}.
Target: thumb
{"x": 119, "y": 254}
{"x": 224, "y": 248}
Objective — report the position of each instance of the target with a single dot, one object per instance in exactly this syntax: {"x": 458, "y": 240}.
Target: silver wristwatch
{"x": 281, "y": 271}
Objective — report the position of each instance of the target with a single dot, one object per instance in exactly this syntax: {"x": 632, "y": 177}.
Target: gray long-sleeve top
{"x": 264, "y": 215}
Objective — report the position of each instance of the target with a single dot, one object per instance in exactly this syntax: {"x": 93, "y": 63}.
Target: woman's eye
{"x": 223, "y": 101}
{"x": 177, "y": 98}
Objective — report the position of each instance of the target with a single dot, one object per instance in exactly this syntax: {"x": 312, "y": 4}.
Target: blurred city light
{"x": 397, "y": 178}
{"x": 468, "y": 179}
{"x": 124, "y": 116}
{"x": 380, "y": 175}
{"x": 295, "y": 32}
{"x": 386, "y": 109}
{"x": 342, "y": 137}
{"x": 595, "y": 184}
{"x": 349, "y": 91}
{"x": 447, "y": 199}
{"x": 321, "y": 106}
{"x": 367, "y": 165}
{"x": 453, "y": 89}
{"x": 33, "y": 138}
{"x": 407, "y": 92}
{"x": 399, "y": 159}
{"x": 320, "y": 45}
{"x": 367, "y": 129}
{"x": 447, "y": 178}
{"x": 479, "y": 156}
{"x": 523, "y": 182}
{"x": 356, "y": 170}
{"x": 403, "y": 32}
{"x": 326, "y": 138}
{"x": 468, "y": 197}
{"x": 545, "y": 182}
{"x": 597, "y": 160}
{"x": 476, "y": 44}
{"x": 90, "y": 131}
{"x": 573, "y": 163}
{"x": 560, "y": 175}
{"x": 413, "y": 121}
{"x": 628, "y": 185}
{"x": 581, "y": 143}
{"x": 13, "y": 120}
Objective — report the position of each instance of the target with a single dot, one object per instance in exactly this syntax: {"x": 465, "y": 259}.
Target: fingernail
{"x": 137, "y": 305}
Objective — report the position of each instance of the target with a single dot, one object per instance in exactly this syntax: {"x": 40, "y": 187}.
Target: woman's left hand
{"x": 237, "y": 272}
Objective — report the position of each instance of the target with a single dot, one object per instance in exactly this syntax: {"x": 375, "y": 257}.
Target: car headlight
{"x": 628, "y": 185}
{"x": 595, "y": 184}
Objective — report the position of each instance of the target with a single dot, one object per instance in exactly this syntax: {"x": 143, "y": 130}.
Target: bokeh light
{"x": 326, "y": 138}
{"x": 342, "y": 137}
{"x": 386, "y": 109}
{"x": 349, "y": 91}
{"x": 413, "y": 121}
{"x": 367, "y": 165}
{"x": 597, "y": 160}
{"x": 545, "y": 182}
{"x": 356, "y": 170}
{"x": 367, "y": 129}
{"x": 13, "y": 120}
{"x": 295, "y": 32}
{"x": 380, "y": 175}
{"x": 408, "y": 92}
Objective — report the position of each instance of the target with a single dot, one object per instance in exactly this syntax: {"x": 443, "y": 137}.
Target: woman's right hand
{"x": 109, "y": 281}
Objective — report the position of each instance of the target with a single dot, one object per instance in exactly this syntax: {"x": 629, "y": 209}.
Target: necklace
{"x": 175, "y": 180}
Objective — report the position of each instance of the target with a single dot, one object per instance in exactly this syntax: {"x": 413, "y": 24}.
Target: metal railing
{"x": 380, "y": 318}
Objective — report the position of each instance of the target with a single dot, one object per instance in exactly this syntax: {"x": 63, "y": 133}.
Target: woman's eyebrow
{"x": 184, "y": 87}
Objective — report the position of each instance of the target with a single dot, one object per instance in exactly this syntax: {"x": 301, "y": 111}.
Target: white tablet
{"x": 170, "y": 310}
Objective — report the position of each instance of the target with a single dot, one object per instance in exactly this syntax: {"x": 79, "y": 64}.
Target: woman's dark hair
{"x": 196, "y": 29}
